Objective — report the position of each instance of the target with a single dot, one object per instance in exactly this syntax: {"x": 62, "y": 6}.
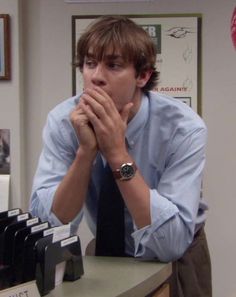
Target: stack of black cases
{"x": 27, "y": 252}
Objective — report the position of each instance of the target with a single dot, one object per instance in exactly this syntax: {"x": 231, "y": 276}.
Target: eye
{"x": 90, "y": 63}
{"x": 114, "y": 65}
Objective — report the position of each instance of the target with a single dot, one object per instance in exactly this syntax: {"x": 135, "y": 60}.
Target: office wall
{"x": 12, "y": 106}
{"x": 46, "y": 80}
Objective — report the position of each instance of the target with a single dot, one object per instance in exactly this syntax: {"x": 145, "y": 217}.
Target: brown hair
{"x": 119, "y": 32}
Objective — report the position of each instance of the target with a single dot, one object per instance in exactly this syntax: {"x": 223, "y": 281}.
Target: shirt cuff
{"x": 45, "y": 197}
{"x": 161, "y": 211}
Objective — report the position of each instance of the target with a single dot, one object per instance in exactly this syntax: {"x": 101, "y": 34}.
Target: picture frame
{"x": 103, "y": 1}
{"x": 5, "y": 67}
{"x": 178, "y": 41}
{"x": 5, "y": 151}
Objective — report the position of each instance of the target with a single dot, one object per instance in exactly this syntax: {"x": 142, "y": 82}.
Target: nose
{"x": 98, "y": 76}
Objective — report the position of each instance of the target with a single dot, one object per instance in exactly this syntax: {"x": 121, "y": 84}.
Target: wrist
{"x": 86, "y": 154}
{"x": 116, "y": 161}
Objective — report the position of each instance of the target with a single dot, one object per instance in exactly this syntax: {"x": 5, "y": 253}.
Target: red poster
{"x": 233, "y": 27}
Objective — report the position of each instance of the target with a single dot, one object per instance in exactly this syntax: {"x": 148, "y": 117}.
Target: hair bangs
{"x": 107, "y": 43}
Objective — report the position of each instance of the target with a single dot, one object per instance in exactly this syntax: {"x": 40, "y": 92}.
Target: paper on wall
{"x": 60, "y": 233}
{"x": 4, "y": 191}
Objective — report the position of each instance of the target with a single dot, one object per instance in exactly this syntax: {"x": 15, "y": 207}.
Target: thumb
{"x": 126, "y": 111}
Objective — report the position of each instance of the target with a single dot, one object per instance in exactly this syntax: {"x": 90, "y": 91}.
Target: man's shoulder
{"x": 172, "y": 110}
{"x": 63, "y": 109}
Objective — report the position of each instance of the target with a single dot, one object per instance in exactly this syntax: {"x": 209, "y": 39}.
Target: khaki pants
{"x": 192, "y": 273}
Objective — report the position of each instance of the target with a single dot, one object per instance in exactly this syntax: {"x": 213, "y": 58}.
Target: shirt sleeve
{"x": 175, "y": 203}
{"x": 59, "y": 147}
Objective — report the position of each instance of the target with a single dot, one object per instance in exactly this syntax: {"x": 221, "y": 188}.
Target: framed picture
{"x": 5, "y": 69}
{"x": 4, "y": 151}
{"x": 178, "y": 42}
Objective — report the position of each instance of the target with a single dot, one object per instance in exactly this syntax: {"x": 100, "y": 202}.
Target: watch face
{"x": 127, "y": 171}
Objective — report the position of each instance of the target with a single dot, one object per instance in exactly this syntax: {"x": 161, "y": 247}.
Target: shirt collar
{"x": 136, "y": 125}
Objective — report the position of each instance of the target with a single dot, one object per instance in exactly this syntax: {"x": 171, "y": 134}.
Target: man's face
{"x": 115, "y": 76}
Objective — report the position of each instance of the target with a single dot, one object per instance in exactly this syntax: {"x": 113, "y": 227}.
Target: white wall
{"x": 47, "y": 80}
{"x": 11, "y": 105}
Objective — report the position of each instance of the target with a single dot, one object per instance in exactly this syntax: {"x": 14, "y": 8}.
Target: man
{"x": 153, "y": 144}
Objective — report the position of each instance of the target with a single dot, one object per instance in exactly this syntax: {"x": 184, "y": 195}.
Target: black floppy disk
{"x": 18, "y": 248}
{"x": 29, "y": 250}
{"x": 10, "y": 213}
{"x": 50, "y": 254}
{"x": 9, "y": 237}
{"x": 4, "y": 225}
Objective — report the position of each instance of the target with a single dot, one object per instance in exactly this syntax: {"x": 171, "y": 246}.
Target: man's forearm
{"x": 136, "y": 195}
{"x": 71, "y": 193}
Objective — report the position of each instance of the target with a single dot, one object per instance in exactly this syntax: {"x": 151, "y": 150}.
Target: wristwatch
{"x": 125, "y": 172}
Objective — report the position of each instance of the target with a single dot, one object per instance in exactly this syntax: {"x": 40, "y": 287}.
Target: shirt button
{"x": 131, "y": 143}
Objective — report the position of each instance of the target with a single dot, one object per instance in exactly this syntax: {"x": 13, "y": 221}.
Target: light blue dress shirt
{"x": 167, "y": 140}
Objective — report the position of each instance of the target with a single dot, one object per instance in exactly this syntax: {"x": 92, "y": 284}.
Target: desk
{"x": 113, "y": 277}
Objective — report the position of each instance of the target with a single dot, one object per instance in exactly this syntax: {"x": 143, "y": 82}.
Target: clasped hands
{"x": 99, "y": 124}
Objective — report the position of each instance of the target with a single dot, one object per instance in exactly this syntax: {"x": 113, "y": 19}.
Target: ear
{"x": 143, "y": 78}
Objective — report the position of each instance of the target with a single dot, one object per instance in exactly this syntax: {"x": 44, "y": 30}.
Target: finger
{"x": 78, "y": 116}
{"x": 81, "y": 102}
{"x": 126, "y": 112}
{"x": 101, "y": 97}
{"x": 100, "y": 91}
{"x": 92, "y": 117}
{"x": 98, "y": 111}
{"x": 92, "y": 105}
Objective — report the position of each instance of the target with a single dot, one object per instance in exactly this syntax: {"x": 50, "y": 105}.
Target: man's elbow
{"x": 167, "y": 250}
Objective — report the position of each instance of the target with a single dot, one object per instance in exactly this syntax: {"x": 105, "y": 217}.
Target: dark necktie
{"x": 110, "y": 218}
